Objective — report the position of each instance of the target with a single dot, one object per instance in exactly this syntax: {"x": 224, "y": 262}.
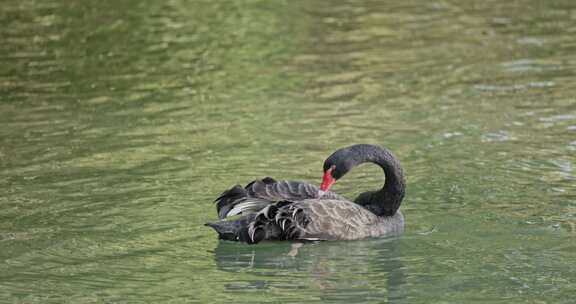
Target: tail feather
{"x": 236, "y": 230}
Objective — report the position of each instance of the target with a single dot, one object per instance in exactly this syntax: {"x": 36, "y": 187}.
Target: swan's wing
{"x": 236, "y": 200}
{"x": 312, "y": 220}
{"x": 258, "y": 194}
{"x": 336, "y": 220}
{"x": 272, "y": 190}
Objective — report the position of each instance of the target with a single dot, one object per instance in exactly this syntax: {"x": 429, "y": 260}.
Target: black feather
{"x": 236, "y": 230}
{"x": 228, "y": 199}
{"x": 268, "y": 208}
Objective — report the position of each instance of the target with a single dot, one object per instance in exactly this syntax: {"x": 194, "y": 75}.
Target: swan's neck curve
{"x": 386, "y": 201}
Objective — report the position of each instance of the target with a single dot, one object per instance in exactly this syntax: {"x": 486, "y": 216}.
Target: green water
{"x": 121, "y": 121}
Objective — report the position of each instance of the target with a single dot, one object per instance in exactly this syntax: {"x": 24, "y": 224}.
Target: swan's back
{"x": 260, "y": 193}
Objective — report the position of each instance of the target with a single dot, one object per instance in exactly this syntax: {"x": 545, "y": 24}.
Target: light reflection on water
{"x": 121, "y": 122}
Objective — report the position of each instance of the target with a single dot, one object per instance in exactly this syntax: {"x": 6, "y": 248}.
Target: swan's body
{"x": 342, "y": 220}
{"x": 289, "y": 210}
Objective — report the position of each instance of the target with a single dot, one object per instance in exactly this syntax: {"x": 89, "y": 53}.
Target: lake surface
{"x": 121, "y": 121}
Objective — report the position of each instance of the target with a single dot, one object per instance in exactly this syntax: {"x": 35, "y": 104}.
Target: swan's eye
{"x": 331, "y": 170}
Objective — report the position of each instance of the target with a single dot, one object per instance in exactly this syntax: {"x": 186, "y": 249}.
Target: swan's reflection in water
{"x": 348, "y": 271}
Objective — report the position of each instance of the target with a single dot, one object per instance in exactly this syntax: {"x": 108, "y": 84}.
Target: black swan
{"x": 293, "y": 210}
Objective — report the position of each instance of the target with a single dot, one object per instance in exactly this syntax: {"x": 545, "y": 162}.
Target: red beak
{"x": 327, "y": 182}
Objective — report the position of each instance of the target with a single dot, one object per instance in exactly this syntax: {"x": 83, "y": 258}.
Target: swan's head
{"x": 339, "y": 163}
{"x": 332, "y": 172}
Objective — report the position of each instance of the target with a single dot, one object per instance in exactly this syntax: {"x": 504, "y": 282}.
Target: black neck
{"x": 386, "y": 201}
